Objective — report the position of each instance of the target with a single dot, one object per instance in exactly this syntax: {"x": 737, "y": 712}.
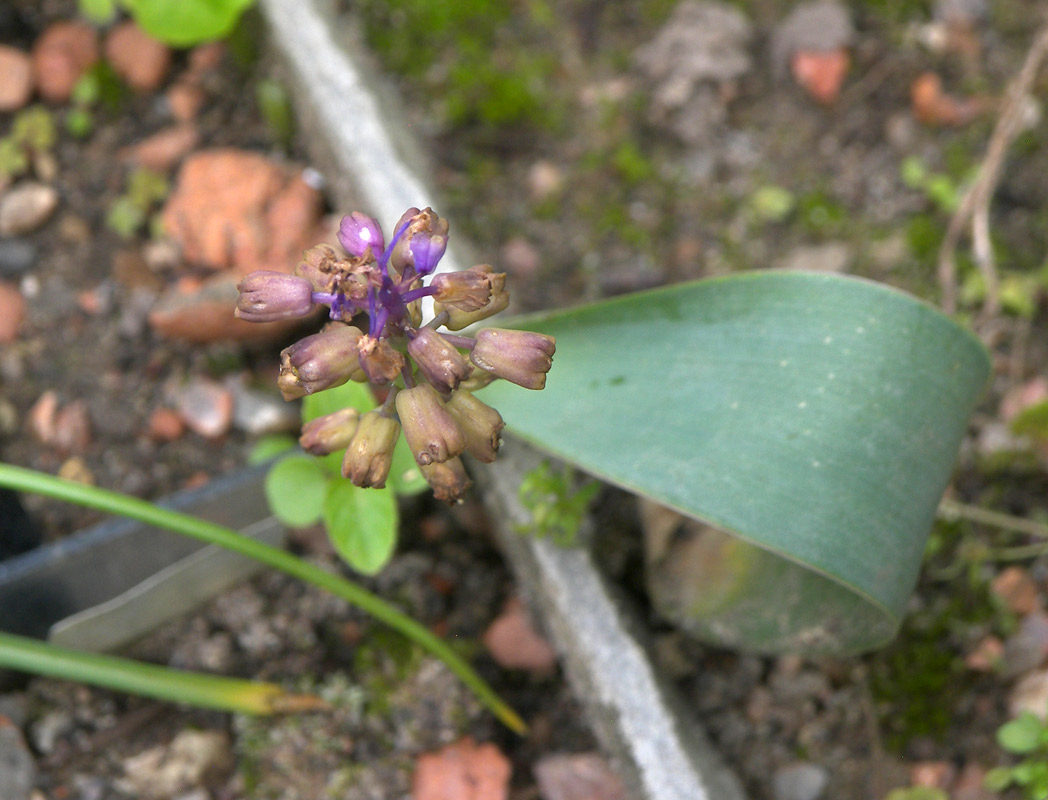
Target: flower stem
{"x": 28, "y": 480}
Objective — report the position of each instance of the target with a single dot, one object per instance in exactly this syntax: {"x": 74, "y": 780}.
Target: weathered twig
{"x": 975, "y": 205}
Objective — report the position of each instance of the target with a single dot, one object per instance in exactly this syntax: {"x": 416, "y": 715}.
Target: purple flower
{"x": 267, "y": 296}
{"x": 521, "y": 357}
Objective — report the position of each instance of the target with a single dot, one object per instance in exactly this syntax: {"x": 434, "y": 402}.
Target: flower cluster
{"x": 430, "y": 374}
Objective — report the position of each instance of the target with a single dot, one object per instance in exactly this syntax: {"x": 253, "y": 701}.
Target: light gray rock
{"x": 799, "y": 782}
{"x": 17, "y": 767}
{"x": 819, "y": 27}
{"x": 25, "y": 207}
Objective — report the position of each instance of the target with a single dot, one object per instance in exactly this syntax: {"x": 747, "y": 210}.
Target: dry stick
{"x": 975, "y": 205}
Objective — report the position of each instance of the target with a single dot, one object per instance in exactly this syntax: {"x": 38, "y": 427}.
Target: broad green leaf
{"x": 184, "y": 23}
{"x": 362, "y": 524}
{"x": 816, "y": 417}
{"x": 1021, "y": 735}
{"x": 269, "y": 447}
{"x": 295, "y": 489}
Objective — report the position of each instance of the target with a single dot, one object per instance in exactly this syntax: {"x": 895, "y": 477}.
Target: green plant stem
{"x": 951, "y": 509}
{"x": 163, "y": 683}
{"x": 28, "y": 480}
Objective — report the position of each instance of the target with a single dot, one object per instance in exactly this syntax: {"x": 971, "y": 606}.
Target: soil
{"x": 607, "y": 193}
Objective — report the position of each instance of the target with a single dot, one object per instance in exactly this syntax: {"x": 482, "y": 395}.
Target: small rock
{"x": 987, "y": 656}
{"x": 515, "y": 644}
{"x": 1016, "y": 589}
{"x": 206, "y": 58}
{"x": 164, "y": 149}
{"x": 821, "y": 73}
{"x": 462, "y": 771}
{"x": 165, "y": 425}
{"x": 16, "y": 78}
{"x": 72, "y": 430}
{"x": 206, "y": 407}
{"x": 581, "y": 776}
{"x": 700, "y": 50}
{"x": 17, "y": 256}
{"x": 75, "y": 469}
{"x": 1027, "y": 648}
{"x": 824, "y": 26}
{"x": 520, "y": 258}
{"x": 933, "y": 106}
{"x": 137, "y": 57}
{"x": 162, "y": 255}
{"x": 61, "y": 56}
{"x": 41, "y": 417}
{"x": 26, "y": 207}
{"x": 8, "y": 426}
{"x": 202, "y": 312}
{"x": 960, "y": 12}
{"x": 49, "y": 729}
{"x": 799, "y": 782}
{"x": 185, "y": 99}
{"x": 232, "y": 208}
{"x": 260, "y": 412}
{"x": 12, "y": 312}
{"x": 932, "y": 774}
{"x": 193, "y": 759}
{"x": 17, "y": 767}
{"x": 827, "y": 257}
{"x": 545, "y": 180}
{"x": 1030, "y": 694}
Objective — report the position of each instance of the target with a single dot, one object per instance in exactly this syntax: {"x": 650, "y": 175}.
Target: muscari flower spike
{"x": 430, "y": 373}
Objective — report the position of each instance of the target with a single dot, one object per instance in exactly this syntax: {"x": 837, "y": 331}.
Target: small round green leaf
{"x": 1022, "y": 734}
{"x": 815, "y": 417}
{"x": 295, "y": 489}
{"x": 404, "y": 475}
{"x": 184, "y": 23}
{"x": 269, "y": 447}
{"x": 998, "y": 779}
{"x": 362, "y": 524}
{"x": 348, "y": 395}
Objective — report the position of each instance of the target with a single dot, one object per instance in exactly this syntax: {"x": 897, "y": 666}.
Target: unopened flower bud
{"x": 268, "y": 296}
{"x": 380, "y": 362}
{"x": 359, "y": 232}
{"x": 320, "y": 266}
{"x": 469, "y": 290}
{"x": 422, "y": 245}
{"x": 430, "y": 430}
{"x": 448, "y": 479}
{"x": 459, "y": 319}
{"x": 370, "y": 451}
{"x": 521, "y": 357}
{"x": 443, "y": 365}
{"x": 480, "y": 424}
{"x": 330, "y": 432}
{"x": 319, "y": 361}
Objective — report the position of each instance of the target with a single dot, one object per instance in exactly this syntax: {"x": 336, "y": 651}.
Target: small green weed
{"x": 32, "y": 136}
{"x": 1027, "y": 736}
{"x": 131, "y": 210}
{"x": 557, "y": 507}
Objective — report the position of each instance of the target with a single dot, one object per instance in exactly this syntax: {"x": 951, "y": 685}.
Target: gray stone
{"x": 17, "y": 767}
{"x": 17, "y": 256}
{"x": 819, "y": 27}
{"x": 799, "y": 782}
{"x": 25, "y": 207}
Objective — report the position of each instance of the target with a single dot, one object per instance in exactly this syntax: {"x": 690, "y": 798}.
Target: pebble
{"x": 165, "y": 425}
{"x": 579, "y": 776}
{"x": 933, "y": 774}
{"x": 17, "y": 256}
{"x": 72, "y": 429}
{"x": 137, "y": 57}
{"x": 515, "y": 644}
{"x": 1027, "y": 648}
{"x": 1030, "y": 694}
{"x": 971, "y": 784}
{"x": 25, "y": 207}
{"x": 164, "y": 149}
{"x": 1016, "y": 589}
{"x": 205, "y": 58}
{"x": 259, "y": 412}
{"x": 75, "y": 469}
{"x": 816, "y": 27}
{"x": 61, "y": 56}
{"x": 17, "y": 767}
{"x": 237, "y": 209}
{"x": 801, "y": 781}
{"x": 16, "y": 78}
{"x": 545, "y": 180}
{"x": 12, "y": 312}
{"x": 185, "y": 99}
{"x": 520, "y": 258}
{"x": 49, "y": 729}
{"x": 462, "y": 771}
{"x": 820, "y": 73}
{"x": 193, "y": 758}
{"x": 827, "y": 257}
{"x": 205, "y": 406}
